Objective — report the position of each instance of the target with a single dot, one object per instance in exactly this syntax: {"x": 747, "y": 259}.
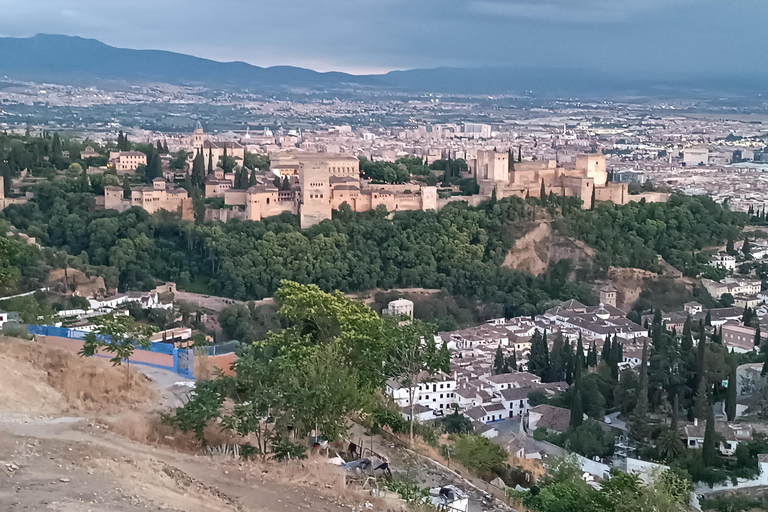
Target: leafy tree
{"x": 415, "y": 359}
{"x": 455, "y": 423}
{"x": 332, "y": 359}
{"x": 9, "y": 251}
{"x": 119, "y": 336}
{"x": 479, "y": 454}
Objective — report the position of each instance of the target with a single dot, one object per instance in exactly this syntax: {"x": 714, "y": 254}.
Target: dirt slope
{"x": 539, "y": 246}
{"x": 35, "y": 379}
{"x": 60, "y": 449}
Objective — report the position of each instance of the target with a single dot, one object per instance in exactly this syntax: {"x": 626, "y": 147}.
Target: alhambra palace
{"x": 318, "y": 183}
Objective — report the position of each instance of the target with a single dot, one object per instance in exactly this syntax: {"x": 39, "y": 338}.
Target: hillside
{"x": 64, "y": 446}
{"x": 77, "y": 60}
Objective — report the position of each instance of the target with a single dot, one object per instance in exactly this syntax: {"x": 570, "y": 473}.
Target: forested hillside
{"x": 460, "y": 249}
{"x": 632, "y": 235}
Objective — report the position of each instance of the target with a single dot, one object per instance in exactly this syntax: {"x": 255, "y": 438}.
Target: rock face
{"x": 539, "y": 246}
{"x": 73, "y": 280}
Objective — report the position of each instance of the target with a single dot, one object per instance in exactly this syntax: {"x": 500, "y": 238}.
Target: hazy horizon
{"x": 664, "y": 38}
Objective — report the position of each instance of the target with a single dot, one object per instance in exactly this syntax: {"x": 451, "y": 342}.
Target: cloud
{"x": 572, "y": 11}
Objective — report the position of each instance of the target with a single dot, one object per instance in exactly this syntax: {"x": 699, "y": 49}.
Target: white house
{"x": 724, "y": 261}
{"x": 437, "y": 393}
{"x": 420, "y": 413}
{"x": 515, "y": 400}
{"x": 503, "y": 381}
{"x": 732, "y": 435}
{"x": 486, "y": 413}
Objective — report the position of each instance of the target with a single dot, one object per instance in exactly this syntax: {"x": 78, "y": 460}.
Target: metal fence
{"x": 183, "y": 358}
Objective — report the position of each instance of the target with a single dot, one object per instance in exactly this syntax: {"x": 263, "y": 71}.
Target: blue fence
{"x": 182, "y": 357}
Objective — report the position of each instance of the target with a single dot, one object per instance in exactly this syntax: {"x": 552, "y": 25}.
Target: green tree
{"x": 119, "y": 336}
{"x": 709, "y": 449}
{"x": 538, "y": 360}
{"x": 415, "y": 361}
{"x": 638, "y": 428}
{"x": 577, "y": 405}
{"x": 730, "y": 396}
{"x": 498, "y": 361}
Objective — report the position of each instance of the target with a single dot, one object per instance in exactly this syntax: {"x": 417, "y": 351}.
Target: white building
{"x": 400, "y": 307}
{"x": 724, "y": 261}
{"x": 438, "y": 394}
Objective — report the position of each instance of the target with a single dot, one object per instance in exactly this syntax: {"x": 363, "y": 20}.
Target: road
{"x": 211, "y": 302}
{"x": 172, "y": 387}
{"x": 616, "y": 422}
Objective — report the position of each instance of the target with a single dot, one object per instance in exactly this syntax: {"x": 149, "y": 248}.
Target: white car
{"x": 607, "y": 420}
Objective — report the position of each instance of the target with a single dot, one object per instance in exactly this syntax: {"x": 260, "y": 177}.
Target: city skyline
{"x": 663, "y": 38}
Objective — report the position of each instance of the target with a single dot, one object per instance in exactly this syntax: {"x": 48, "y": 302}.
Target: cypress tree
{"x": 577, "y": 405}
{"x": 126, "y": 187}
{"x": 592, "y": 358}
{"x": 512, "y": 360}
{"x": 210, "y": 161}
{"x": 730, "y": 395}
{"x": 593, "y": 200}
{"x": 605, "y": 354}
{"x": 579, "y": 355}
{"x": 700, "y": 401}
{"x": 701, "y": 355}
{"x": 238, "y": 182}
{"x": 498, "y": 361}
{"x": 543, "y": 193}
{"x": 252, "y": 178}
{"x": 557, "y": 359}
{"x": 5, "y": 171}
{"x": 709, "y": 452}
{"x": 538, "y": 360}
{"x": 639, "y": 427}
{"x": 12, "y": 167}
{"x": 614, "y": 358}
{"x": 758, "y": 335}
{"x": 687, "y": 343}
{"x": 198, "y": 170}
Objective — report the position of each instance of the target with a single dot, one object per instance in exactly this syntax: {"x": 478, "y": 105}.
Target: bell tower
{"x": 197, "y": 137}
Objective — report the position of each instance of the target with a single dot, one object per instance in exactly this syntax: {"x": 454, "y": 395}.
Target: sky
{"x": 645, "y": 37}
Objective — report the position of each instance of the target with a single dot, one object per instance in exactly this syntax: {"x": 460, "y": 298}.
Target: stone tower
{"x": 315, "y": 204}
{"x": 197, "y": 137}
{"x": 492, "y": 170}
{"x": 608, "y": 295}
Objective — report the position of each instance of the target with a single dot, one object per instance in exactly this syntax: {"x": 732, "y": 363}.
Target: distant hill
{"x": 75, "y": 60}
{"x": 79, "y": 61}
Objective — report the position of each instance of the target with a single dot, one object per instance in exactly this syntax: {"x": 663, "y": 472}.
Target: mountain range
{"x": 79, "y": 61}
